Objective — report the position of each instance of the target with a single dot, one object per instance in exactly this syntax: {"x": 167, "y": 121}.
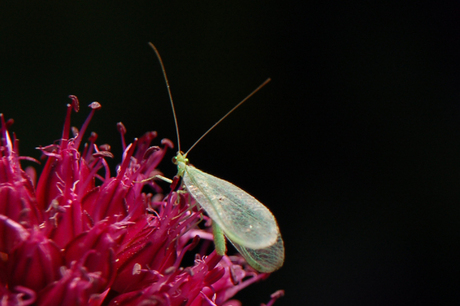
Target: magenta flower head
{"x": 80, "y": 236}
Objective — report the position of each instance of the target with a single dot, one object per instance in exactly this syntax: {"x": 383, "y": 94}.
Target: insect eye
{"x": 174, "y": 160}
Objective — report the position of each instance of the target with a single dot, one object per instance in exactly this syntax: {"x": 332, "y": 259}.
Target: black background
{"x": 354, "y": 145}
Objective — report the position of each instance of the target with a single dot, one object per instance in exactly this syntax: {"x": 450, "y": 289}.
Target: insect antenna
{"x": 228, "y": 113}
{"x": 169, "y": 92}
{"x": 174, "y": 111}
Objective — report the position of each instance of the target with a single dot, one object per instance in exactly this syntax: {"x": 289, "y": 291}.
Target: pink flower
{"x": 79, "y": 237}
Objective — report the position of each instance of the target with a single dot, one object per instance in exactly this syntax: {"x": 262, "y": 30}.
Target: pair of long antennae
{"x": 174, "y": 111}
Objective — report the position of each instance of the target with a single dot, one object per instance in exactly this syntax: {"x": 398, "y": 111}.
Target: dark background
{"x": 354, "y": 145}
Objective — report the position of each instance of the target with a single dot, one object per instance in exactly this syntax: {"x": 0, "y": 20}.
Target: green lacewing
{"x": 236, "y": 215}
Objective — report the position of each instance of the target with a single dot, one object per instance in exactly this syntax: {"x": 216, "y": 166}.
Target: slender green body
{"x": 246, "y": 222}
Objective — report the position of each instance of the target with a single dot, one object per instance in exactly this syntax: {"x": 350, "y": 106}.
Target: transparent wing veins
{"x": 244, "y": 220}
